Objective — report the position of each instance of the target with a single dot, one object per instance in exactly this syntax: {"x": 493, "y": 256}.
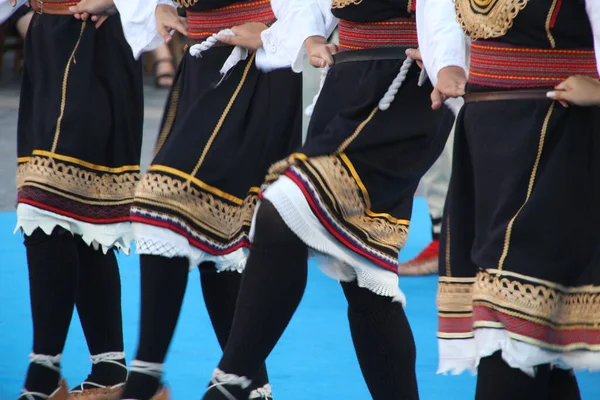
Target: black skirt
{"x": 217, "y": 141}
{"x": 356, "y": 175}
{"x": 520, "y": 259}
{"x": 79, "y": 129}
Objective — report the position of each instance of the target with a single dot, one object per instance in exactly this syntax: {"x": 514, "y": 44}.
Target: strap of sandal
{"x": 147, "y": 368}
{"x": 47, "y": 361}
{"x": 264, "y": 393}
{"x": 220, "y": 379}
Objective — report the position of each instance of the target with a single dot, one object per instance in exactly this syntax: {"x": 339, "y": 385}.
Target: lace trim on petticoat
{"x": 105, "y": 236}
{"x": 166, "y": 243}
{"x": 460, "y": 355}
{"x": 333, "y": 258}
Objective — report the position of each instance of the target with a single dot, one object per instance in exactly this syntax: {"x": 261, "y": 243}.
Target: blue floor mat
{"x": 314, "y": 359}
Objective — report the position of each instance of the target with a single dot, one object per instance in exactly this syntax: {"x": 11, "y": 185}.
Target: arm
{"x": 593, "y": 11}
{"x": 441, "y": 39}
{"x": 7, "y": 8}
{"x": 583, "y": 90}
{"x": 297, "y": 20}
{"x": 138, "y": 18}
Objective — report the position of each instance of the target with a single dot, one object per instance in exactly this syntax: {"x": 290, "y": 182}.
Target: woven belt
{"x": 382, "y": 53}
{"x": 535, "y": 94}
{"x": 364, "y": 35}
{"x": 504, "y": 66}
{"x": 52, "y": 7}
{"x": 202, "y": 24}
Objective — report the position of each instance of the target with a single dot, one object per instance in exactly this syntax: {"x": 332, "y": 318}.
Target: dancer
{"x": 520, "y": 284}
{"x": 79, "y": 143}
{"x": 345, "y": 198}
{"x": 223, "y": 128}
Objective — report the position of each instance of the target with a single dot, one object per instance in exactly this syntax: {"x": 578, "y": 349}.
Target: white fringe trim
{"x": 457, "y": 356}
{"x": 119, "y": 235}
{"x": 333, "y": 258}
{"x": 164, "y": 242}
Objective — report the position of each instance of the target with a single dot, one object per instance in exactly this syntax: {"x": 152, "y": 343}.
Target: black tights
{"x": 273, "y": 285}
{"x": 164, "y": 281}
{"x": 64, "y": 272}
{"x": 496, "y": 380}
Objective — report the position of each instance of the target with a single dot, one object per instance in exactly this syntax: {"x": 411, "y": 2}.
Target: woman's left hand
{"x": 577, "y": 90}
{"x": 246, "y": 36}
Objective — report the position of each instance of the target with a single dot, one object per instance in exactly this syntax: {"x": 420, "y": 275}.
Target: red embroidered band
{"x": 501, "y": 65}
{"x": 202, "y": 24}
{"x": 363, "y": 35}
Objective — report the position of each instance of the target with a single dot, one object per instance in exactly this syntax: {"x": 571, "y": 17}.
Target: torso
{"x": 372, "y": 10}
{"x": 561, "y": 24}
{"x": 203, "y": 5}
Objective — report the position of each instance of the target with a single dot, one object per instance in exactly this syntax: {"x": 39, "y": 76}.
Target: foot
{"x": 44, "y": 380}
{"x": 162, "y": 394}
{"x": 106, "y": 382}
{"x": 426, "y": 263}
{"x": 60, "y": 393}
{"x": 164, "y": 72}
{"x": 224, "y": 386}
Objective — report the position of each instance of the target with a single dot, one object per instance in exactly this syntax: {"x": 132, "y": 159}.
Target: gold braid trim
{"x": 186, "y": 3}
{"x": 485, "y": 19}
{"x": 205, "y": 209}
{"x": 344, "y": 3}
{"x": 538, "y": 302}
{"x": 77, "y": 181}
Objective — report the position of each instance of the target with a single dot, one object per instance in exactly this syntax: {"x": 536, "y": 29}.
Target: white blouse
{"x": 297, "y": 20}
{"x": 283, "y": 42}
{"x": 443, "y": 43}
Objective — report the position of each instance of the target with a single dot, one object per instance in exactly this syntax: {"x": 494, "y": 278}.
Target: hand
{"x": 451, "y": 83}
{"x": 246, "y": 36}
{"x": 167, "y": 20}
{"x": 578, "y": 90}
{"x": 96, "y": 10}
{"x": 320, "y": 52}
{"x": 415, "y": 54}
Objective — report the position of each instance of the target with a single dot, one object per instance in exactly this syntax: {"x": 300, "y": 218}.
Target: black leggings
{"x": 272, "y": 287}
{"x": 496, "y": 380}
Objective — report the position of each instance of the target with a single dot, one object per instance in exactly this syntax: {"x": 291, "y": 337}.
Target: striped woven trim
{"x": 202, "y": 24}
{"x": 363, "y": 35}
{"x": 61, "y": 2}
{"x": 501, "y": 65}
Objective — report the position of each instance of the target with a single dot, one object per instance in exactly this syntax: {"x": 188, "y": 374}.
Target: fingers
{"x": 415, "y": 54}
{"x": 318, "y": 62}
{"x": 563, "y": 97}
{"x": 164, "y": 32}
{"x": 436, "y": 99}
{"x": 77, "y": 9}
{"x": 229, "y": 39}
{"x": 99, "y": 20}
{"x": 13, "y": 2}
{"x": 327, "y": 54}
{"x": 180, "y": 25}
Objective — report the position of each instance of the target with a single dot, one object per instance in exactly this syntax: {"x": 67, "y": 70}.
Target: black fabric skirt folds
{"x": 520, "y": 250}
{"x": 360, "y": 166}
{"x": 217, "y": 140}
{"x": 80, "y": 121}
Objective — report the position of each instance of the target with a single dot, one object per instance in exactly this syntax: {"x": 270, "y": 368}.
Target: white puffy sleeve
{"x": 297, "y": 20}
{"x": 6, "y": 9}
{"x": 593, "y": 10}
{"x": 441, "y": 39}
{"x": 138, "y": 18}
